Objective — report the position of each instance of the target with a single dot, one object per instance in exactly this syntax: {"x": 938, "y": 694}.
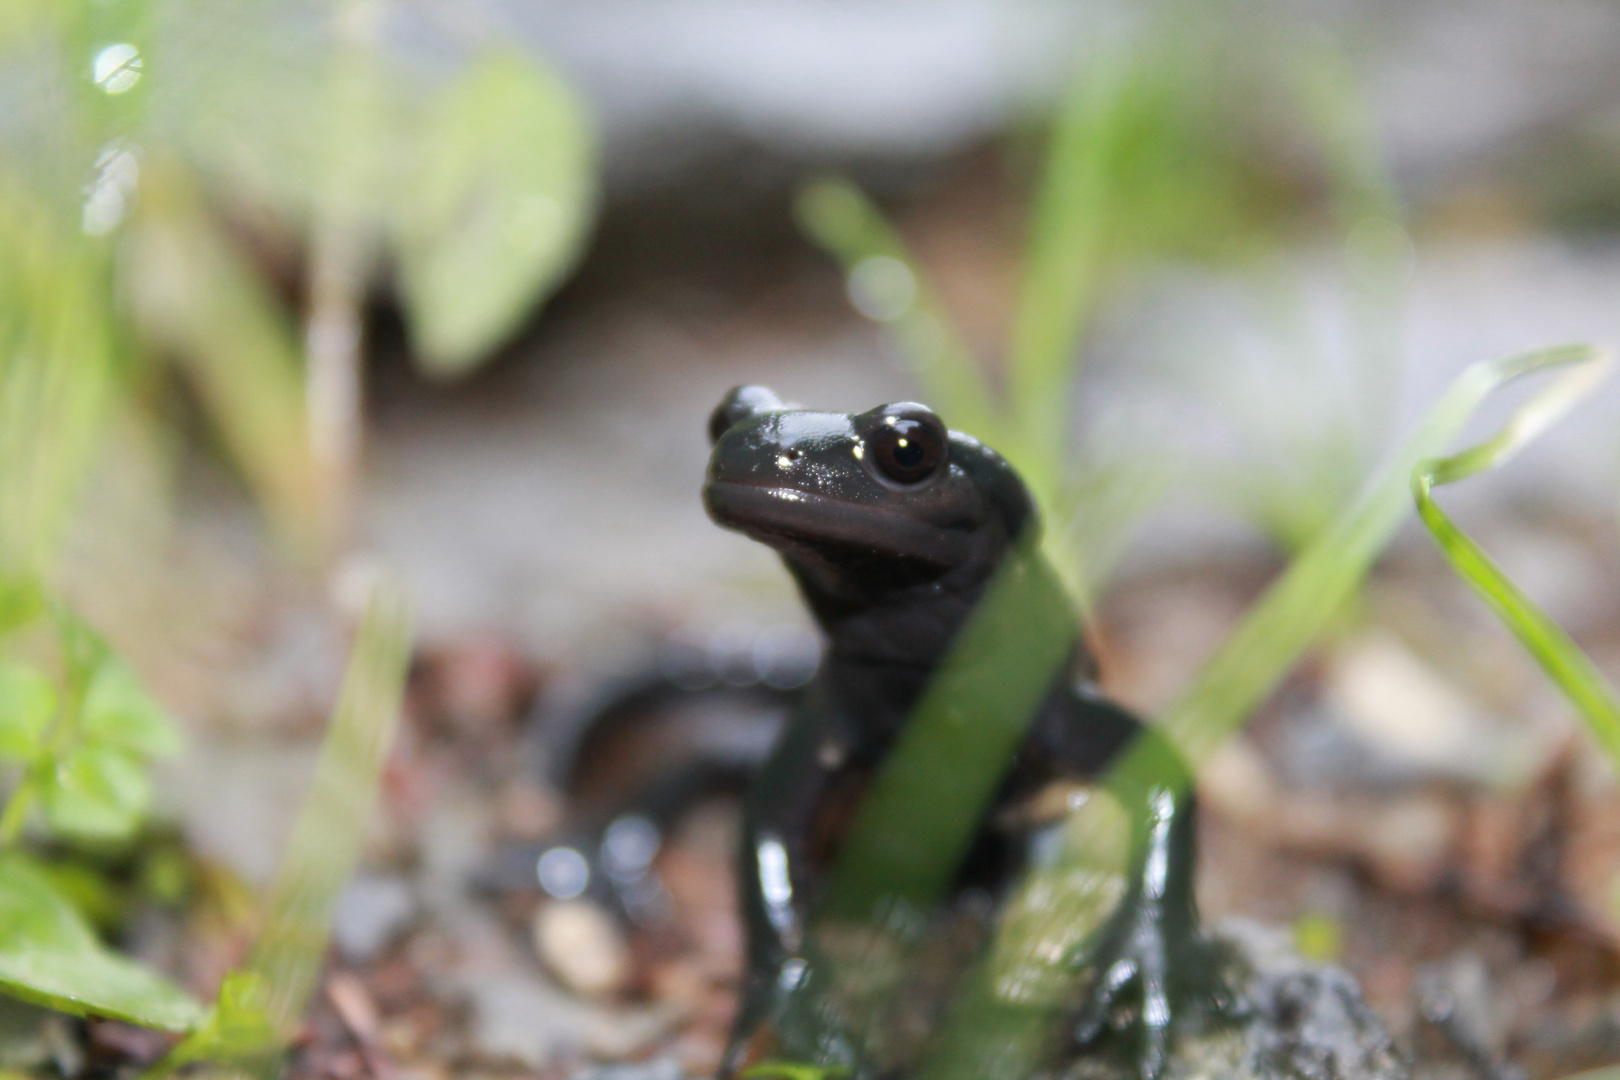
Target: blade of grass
{"x": 918, "y": 818}
{"x": 837, "y": 215}
{"x": 1296, "y": 608}
{"x": 326, "y": 838}
{"x": 1063, "y": 263}
{"x": 193, "y": 294}
{"x": 1570, "y": 669}
{"x": 58, "y": 372}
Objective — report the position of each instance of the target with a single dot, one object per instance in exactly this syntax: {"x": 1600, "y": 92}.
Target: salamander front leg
{"x": 1153, "y": 973}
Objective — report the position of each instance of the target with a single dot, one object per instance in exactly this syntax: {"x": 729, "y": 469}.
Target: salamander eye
{"x": 907, "y": 449}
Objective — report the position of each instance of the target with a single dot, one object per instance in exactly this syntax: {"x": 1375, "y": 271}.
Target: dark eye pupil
{"x": 907, "y": 451}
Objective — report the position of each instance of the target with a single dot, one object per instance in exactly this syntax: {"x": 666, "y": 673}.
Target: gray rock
{"x": 658, "y": 1068}
{"x": 1307, "y": 1021}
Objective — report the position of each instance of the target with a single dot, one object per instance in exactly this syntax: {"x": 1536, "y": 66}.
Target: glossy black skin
{"x": 890, "y": 570}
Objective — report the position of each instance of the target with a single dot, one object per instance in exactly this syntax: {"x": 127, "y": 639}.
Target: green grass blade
{"x": 918, "y": 818}
{"x": 194, "y": 295}
{"x": 326, "y": 838}
{"x": 836, "y": 215}
{"x": 1063, "y": 263}
{"x": 1296, "y": 608}
{"x": 58, "y": 374}
{"x": 1570, "y": 669}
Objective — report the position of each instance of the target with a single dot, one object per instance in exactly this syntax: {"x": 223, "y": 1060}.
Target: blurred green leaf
{"x": 95, "y": 792}
{"x": 1570, "y": 669}
{"x": 27, "y": 704}
{"x": 48, "y": 956}
{"x": 88, "y": 889}
{"x": 117, "y": 711}
{"x": 21, "y": 602}
{"x": 194, "y": 295}
{"x": 236, "y": 1029}
{"x": 792, "y": 1070}
{"x": 332, "y": 821}
{"x": 495, "y": 210}
{"x": 1003, "y": 1015}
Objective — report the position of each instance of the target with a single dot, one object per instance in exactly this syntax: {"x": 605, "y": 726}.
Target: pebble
{"x": 583, "y": 946}
{"x": 371, "y": 912}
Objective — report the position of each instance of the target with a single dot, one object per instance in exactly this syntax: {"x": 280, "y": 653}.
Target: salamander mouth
{"x": 787, "y": 518}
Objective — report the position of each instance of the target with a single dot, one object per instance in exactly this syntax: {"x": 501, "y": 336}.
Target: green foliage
{"x": 82, "y": 738}
{"x": 1297, "y": 607}
{"x": 496, "y": 210}
{"x": 1571, "y": 670}
{"x": 57, "y": 367}
{"x": 156, "y": 129}
{"x": 235, "y": 1029}
{"x": 50, "y": 956}
{"x": 83, "y": 741}
{"x": 792, "y": 1070}
{"x": 479, "y": 186}
{"x": 115, "y": 195}
{"x": 195, "y": 295}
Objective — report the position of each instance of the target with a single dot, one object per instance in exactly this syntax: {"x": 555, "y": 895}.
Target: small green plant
{"x": 82, "y": 741}
{"x": 82, "y": 736}
{"x": 163, "y": 156}
{"x": 259, "y": 1007}
{"x": 77, "y": 731}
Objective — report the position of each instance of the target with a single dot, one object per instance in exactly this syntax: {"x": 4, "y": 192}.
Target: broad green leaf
{"x": 27, "y": 703}
{"x": 332, "y": 821}
{"x": 96, "y": 793}
{"x": 118, "y": 711}
{"x": 50, "y": 957}
{"x": 1570, "y": 669}
{"x": 495, "y": 211}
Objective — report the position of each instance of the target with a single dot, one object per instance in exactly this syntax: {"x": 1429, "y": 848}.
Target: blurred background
{"x": 289, "y": 290}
